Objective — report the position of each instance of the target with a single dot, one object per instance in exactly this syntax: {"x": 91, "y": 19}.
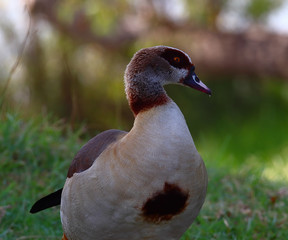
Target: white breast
{"x": 105, "y": 201}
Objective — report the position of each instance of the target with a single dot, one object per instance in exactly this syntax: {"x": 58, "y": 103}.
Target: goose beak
{"x": 194, "y": 82}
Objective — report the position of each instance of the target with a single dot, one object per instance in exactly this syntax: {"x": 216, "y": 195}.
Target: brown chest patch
{"x": 165, "y": 204}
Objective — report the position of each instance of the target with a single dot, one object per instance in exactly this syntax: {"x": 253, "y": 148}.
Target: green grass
{"x": 246, "y": 157}
{"x": 34, "y": 159}
{"x": 242, "y": 206}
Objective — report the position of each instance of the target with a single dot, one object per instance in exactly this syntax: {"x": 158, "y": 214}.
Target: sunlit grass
{"x": 277, "y": 169}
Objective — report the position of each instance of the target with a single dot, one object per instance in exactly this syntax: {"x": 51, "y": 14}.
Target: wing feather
{"x": 81, "y": 162}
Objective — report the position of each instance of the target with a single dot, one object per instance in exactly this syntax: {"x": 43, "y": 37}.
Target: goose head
{"x": 152, "y": 68}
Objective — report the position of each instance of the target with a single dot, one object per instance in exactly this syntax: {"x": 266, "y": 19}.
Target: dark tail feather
{"x": 50, "y": 200}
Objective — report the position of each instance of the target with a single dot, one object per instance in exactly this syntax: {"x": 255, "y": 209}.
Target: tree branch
{"x": 252, "y": 53}
{"x": 79, "y": 29}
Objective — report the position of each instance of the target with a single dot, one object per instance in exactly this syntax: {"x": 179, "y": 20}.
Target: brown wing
{"x": 92, "y": 149}
{"x": 82, "y": 161}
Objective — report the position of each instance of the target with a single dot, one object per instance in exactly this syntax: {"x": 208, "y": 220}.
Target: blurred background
{"x": 66, "y": 59}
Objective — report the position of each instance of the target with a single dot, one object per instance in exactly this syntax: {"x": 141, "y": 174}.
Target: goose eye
{"x": 176, "y": 59}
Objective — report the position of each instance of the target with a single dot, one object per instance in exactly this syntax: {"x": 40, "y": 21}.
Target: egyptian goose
{"x": 149, "y": 183}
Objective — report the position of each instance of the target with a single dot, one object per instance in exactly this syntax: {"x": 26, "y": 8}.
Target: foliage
{"x": 247, "y": 117}
{"x": 70, "y": 78}
{"x": 259, "y": 9}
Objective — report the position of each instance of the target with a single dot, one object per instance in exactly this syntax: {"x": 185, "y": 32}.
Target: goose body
{"x": 148, "y": 183}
